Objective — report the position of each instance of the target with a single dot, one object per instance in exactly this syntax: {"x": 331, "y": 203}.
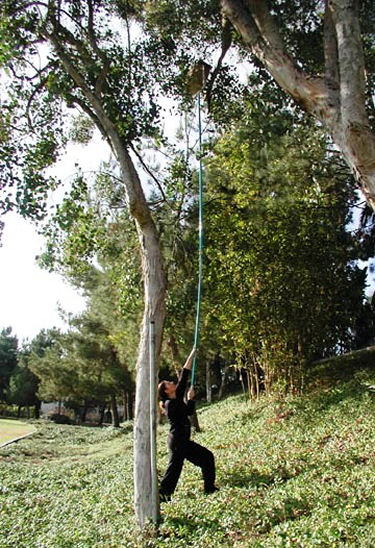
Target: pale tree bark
{"x": 154, "y": 281}
{"x": 336, "y": 99}
{"x": 208, "y": 383}
{"x": 154, "y": 278}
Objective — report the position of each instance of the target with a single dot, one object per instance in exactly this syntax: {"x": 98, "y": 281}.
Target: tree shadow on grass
{"x": 247, "y": 478}
{"x": 244, "y": 478}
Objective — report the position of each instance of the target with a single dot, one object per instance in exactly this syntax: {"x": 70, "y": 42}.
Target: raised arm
{"x": 182, "y": 381}
{"x": 189, "y": 360}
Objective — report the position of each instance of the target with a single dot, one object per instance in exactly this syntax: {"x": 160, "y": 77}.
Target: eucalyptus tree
{"x": 321, "y": 53}
{"x": 62, "y": 55}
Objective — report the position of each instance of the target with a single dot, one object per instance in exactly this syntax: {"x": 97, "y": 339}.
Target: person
{"x": 180, "y": 445}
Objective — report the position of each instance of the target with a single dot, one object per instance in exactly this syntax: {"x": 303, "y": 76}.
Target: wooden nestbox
{"x": 197, "y": 77}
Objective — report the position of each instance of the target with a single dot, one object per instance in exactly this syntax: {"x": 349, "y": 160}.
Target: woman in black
{"x": 180, "y": 445}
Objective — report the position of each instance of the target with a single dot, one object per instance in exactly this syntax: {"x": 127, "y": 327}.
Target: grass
{"x": 293, "y": 472}
{"x": 11, "y": 429}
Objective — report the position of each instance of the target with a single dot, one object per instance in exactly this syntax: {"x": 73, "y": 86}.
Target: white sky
{"x": 30, "y": 296}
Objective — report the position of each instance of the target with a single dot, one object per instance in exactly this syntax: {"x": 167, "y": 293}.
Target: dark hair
{"x": 162, "y": 394}
{"x": 163, "y": 397}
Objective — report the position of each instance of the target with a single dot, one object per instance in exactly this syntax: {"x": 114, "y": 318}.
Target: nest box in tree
{"x": 197, "y": 77}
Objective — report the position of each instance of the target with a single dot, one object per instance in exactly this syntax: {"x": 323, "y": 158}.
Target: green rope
{"x": 200, "y": 277}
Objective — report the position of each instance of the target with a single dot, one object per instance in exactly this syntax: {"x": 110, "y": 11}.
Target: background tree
{"x": 23, "y": 387}
{"x": 284, "y": 288}
{"x": 86, "y": 365}
{"x": 45, "y": 361}
{"x": 8, "y": 359}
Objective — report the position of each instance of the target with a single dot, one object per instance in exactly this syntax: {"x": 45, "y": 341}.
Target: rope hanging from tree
{"x": 200, "y": 268}
{"x": 197, "y": 78}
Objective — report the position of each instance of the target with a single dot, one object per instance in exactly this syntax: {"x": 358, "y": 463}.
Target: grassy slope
{"x": 293, "y": 472}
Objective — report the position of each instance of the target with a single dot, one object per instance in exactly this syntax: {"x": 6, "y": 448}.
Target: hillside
{"x": 298, "y": 471}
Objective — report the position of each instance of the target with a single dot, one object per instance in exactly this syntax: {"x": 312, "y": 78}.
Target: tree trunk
{"x": 130, "y": 406}
{"x": 194, "y": 421}
{"x": 101, "y": 414}
{"x": 208, "y": 383}
{"x": 154, "y": 282}
{"x": 125, "y": 404}
{"x": 142, "y": 461}
{"x": 83, "y": 413}
{"x": 37, "y": 407}
{"x": 223, "y": 383}
{"x": 154, "y": 279}
{"x": 115, "y": 417}
{"x": 337, "y": 100}
{"x": 174, "y": 350}
{"x": 240, "y": 371}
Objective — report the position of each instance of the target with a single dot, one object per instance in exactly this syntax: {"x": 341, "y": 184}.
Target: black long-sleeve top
{"x": 178, "y": 411}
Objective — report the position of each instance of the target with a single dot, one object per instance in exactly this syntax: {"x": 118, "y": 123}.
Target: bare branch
{"x": 149, "y": 171}
{"x": 36, "y": 90}
{"x": 91, "y": 34}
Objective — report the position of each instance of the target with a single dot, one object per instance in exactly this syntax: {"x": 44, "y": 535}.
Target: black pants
{"x": 179, "y": 450}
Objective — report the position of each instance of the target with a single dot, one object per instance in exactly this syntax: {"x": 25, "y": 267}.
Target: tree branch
{"x": 150, "y": 173}
{"x": 226, "y": 41}
{"x": 101, "y": 55}
{"x": 310, "y": 93}
{"x": 265, "y": 23}
{"x": 345, "y": 18}
{"x": 36, "y": 90}
{"x": 330, "y": 51}
{"x": 91, "y": 115}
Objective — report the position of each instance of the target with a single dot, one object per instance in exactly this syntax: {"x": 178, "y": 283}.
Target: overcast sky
{"x": 30, "y": 296}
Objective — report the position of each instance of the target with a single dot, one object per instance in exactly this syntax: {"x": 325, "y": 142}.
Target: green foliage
{"x": 8, "y": 359}
{"x": 82, "y": 130}
{"x": 282, "y": 285}
{"x": 23, "y": 387}
{"x": 82, "y": 364}
{"x": 45, "y": 360}
{"x": 36, "y": 51}
{"x": 298, "y": 472}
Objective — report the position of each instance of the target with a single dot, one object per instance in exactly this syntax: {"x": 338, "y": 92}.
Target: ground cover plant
{"x": 293, "y": 471}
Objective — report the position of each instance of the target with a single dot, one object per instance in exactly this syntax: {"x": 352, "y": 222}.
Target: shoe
{"x": 212, "y": 489}
{"x": 163, "y": 497}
